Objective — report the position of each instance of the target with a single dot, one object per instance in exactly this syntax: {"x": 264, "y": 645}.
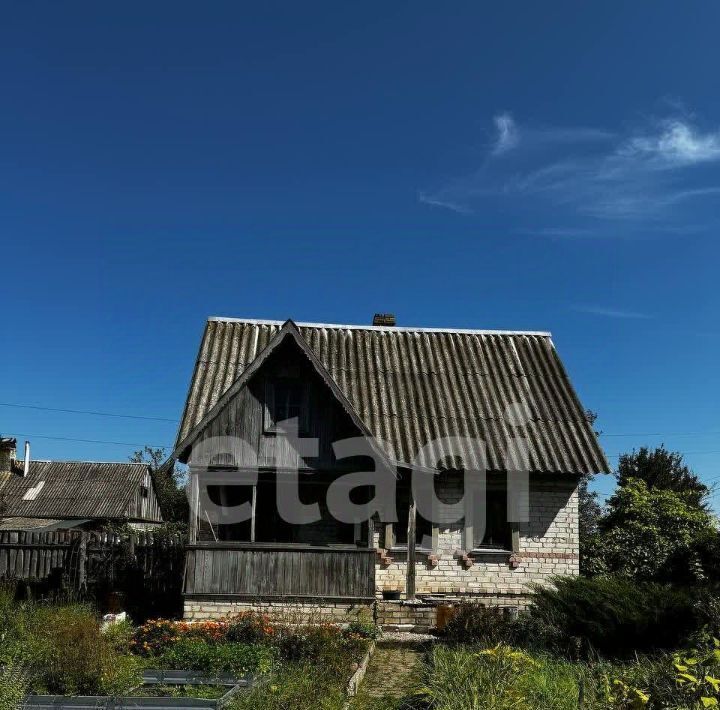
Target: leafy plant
{"x": 697, "y": 675}
{"x": 250, "y": 627}
{"x": 153, "y": 637}
{"x": 361, "y": 629}
{"x": 297, "y": 687}
{"x": 217, "y": 658}
{"x": 14, "y": 684}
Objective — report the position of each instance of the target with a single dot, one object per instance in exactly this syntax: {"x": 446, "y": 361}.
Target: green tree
{"x": 169, "y": 483}
{"x": 662, "y": 469}
{"x": 651, "y": 534}
{"x": 589, "y": 506}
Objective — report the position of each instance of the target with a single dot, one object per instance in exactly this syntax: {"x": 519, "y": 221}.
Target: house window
{"x": 423, "y": 527}
{"x": 496, "y": 534}
{"x": 286, "y": 399}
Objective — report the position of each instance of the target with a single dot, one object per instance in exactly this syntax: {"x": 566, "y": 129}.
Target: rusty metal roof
{"x": 72, "y": 489}
{"x": 410, "y": 386}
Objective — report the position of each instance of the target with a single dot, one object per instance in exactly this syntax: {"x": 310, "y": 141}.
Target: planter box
{"x": 150, "y": 677}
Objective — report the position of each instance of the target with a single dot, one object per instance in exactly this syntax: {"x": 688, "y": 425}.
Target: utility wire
{"x": 83, "y": 411}
{"x": 175, "y": 421}
{"x": 95, "y": 441}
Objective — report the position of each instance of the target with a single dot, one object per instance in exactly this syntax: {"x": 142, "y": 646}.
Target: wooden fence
{"x": 144, "y": 568}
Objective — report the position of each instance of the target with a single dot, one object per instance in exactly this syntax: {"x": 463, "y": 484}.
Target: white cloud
{"x": 677, "y": 143}
{"x": 645, "y": 174}
{"x": 611, "y": 312}
{"x": 438, "y": 202}
{"x": 507, "y": 137}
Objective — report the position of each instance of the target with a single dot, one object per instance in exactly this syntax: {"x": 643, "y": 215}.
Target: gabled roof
{"x": 409, "y": 386}
{"x": 72, "y": 489}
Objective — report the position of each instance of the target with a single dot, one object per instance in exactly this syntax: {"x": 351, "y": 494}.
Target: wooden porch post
{"x": 194, "y": 507}
{"x": 410, "y": 582}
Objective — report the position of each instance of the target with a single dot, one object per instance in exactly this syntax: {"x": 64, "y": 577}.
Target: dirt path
{"x": 393, "y": 674}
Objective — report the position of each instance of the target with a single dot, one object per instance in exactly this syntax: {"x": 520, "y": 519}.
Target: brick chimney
{"x": 384, "y": 319}
{"x": 8, "y": 450}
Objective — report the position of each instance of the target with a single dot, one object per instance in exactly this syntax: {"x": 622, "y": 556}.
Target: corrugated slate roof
{"x": 72, "y": 489}
{"x": 410, "y": 386}
{"x": 31, "y": 524}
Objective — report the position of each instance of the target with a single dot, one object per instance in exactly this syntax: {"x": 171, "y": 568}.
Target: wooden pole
{"x": 82, "y": 562}
{"x": 410, "y": 582}
{"x": 194, "y": 507}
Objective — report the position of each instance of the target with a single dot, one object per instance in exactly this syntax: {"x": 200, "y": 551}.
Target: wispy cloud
{"x": 645, "y": 174}
{"x": 438, "y": 202}
{"x": 611, "y": 312}
{"x": 507, "y": 133}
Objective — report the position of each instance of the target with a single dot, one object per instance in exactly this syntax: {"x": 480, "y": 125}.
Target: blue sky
{"x": 518, "y": 165}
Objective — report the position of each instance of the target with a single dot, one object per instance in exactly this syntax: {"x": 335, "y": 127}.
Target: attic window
{"x": 286, "y": 399}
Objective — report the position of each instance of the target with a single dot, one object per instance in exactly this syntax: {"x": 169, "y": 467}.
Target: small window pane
{"x": 287, "y": 402}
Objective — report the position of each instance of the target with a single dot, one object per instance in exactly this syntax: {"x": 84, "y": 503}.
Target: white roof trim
{"x": 405, "y": 329}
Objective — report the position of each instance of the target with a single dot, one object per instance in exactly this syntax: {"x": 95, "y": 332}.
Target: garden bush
{"x": 63, "y": 650}
{"x": 614, "y": 616}
{"x": 250, "y": 627}
{"x": 216, "y": 658}
{"x": 155, "y": 636}
{"x": 71, "y": 656}
{"x": 361, "y": 629}
{"x": 475, "y": 623}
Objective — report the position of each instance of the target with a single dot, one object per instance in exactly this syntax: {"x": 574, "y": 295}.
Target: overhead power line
{"x": 85, "y": 411}
{"x": 175, "y": 421}
{"x": 94, "y": 441}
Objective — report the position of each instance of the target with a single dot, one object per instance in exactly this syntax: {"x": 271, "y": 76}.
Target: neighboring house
{"x": 402, "y": 388}
{"x": 49, "y": 495}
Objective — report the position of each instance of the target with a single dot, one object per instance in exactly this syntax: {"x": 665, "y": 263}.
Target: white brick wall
{"x": 549, "y": 546}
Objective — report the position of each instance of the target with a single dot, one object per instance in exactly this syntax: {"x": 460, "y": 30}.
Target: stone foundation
{"x": 302, "y": 611}
{"x": 418, "y": 616}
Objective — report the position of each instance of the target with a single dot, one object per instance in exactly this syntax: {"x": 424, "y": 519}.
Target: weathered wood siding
{"x": 238, "y": 570}
{"x": 144, "y": 504}
{"x": 244, "y": 417}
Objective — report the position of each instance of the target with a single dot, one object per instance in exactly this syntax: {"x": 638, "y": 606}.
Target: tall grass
{"x": 13, "y": 686}
{"x": 62, "y": 649}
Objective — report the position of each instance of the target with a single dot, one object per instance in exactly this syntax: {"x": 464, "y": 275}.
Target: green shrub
{"x": 250, "y": 627}
{"x": 119, "y": 674}
{"x": 614, "y": 616}
{"x": 68, "y": 649}
{"x": 299, "y": 643}
{"x": 63, "y": 649}
{"x": 119, "y": 636}
{"x": 154, "y": 636}
{"x": 361, "y": 629}
{"x": 475, "y": 623}
{"x": 215, "y": 658}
